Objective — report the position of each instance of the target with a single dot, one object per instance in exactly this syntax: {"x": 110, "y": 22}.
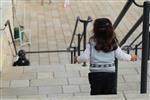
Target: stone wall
{"x": 6, "y": 54}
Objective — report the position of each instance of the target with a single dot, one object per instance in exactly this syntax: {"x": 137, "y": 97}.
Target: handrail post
{"x": 149, "y": 47}
{"x": 79, "y": 35}
{"x": 145, "y": 46}
{"x": 123, "y": 12}
{"x": 74, "y": 53}
{"x": 128, "y": 50}
{"x": 85, "y": 23}
{"x": 136, "y": 49}
{"x": 71, "y": 52}
{"x": 84, "y": 38}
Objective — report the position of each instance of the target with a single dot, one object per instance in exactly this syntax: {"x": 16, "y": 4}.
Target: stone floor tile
{"x": 84, "y": 73}
{"x": 45, "y": 75}
{"x": 51, "y": 68}
{"x": 8, "y": 97}
{"x": 71, "y": 89}
{"x": 82, "y": 94}
{"x": 127, "y": 71}
{"x": 50, "y": 90}
{"x": 137, "y": 96}
{"x": 131, "y": 78}
{"x": 19, "y": 91}
{"x": 13, "y": 69}
{"x": 18, "y": 76}
{"x": 78, "y": 81}
{"x": 33, "y": 97}
{"x": 48, "y": 82}
{"x": 68, "y": 74}
{"x": 85, "y": 88}
{"x": 30, "y": 69}
{"x": 4, "y": 83}
{"x": 75, "y": 67}
{"x": 19, "y": 83}
{"x": 65, "y": 95}
{"x": 129, "y": 86}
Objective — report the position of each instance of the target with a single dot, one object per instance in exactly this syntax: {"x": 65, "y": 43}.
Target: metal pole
{"x": 136, "y": 49}
{"x": 79, "y": 35}
{"x": 116, "y": 70}
{"x": 145, "y": 45}
{"x": 128, "y": 51}
{"x": 74, "y": 53}
{"x": 123, "y": 12}
{"x": 71, "y": 57}
{"x": 84, "y": 38}
{"x": 149, "y": 48}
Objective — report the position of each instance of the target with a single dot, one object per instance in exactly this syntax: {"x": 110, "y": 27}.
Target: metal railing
{"x": 72, "y": 49}
{"x": 145, "y": 38}
{"x": 7, "y": 23}
{"x": 131, "y": 30}
{"x": 80, "y": 36}
{"x": 145, "y": 46}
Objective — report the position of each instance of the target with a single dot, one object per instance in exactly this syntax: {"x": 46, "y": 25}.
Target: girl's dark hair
{"x": 104, "y": 35}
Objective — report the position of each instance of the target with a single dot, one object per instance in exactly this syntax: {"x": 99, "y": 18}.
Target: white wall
{"x": 6, "y": 57}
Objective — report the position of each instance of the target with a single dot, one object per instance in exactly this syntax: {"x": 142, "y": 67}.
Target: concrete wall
{"x": 6, "y": 53}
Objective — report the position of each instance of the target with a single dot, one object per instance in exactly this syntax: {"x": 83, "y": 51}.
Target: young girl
{"x": 101, "y": 51}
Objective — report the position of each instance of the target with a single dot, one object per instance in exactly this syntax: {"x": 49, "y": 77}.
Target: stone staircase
{"x": 67, "y": 82}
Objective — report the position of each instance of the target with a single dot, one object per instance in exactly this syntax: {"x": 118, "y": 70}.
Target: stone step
{"x": 66, "y": 80}
{"x": 122, "y": 96}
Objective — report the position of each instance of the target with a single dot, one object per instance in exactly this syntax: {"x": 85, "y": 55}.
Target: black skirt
{"x": 103, "y": 83}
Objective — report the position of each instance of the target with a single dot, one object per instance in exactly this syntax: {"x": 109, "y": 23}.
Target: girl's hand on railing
{"x": 134, "y": 57}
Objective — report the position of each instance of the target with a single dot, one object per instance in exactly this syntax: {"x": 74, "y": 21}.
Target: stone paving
{"x": 52, "y": 25}
{"x": 67, "y": 81}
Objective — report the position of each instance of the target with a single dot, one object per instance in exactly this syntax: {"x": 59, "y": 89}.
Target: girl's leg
{"x": 103, "y": 83}
{"x": 96, "y": 80}
{"x": 111, "y": 84}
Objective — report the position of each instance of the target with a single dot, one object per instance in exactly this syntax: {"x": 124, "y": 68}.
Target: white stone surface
{"x": 19, "y": 83}
{"x": 50, "y": 90}
{"x": 19, "y": 91}
{"x": 78, "y": 81}
{"x": 45, "y": 75}
{"x": 71, "y": 89}
{"x": 68, "y": 74}
{"x": 48, "y": 82}
{"x": 4, "y": 83}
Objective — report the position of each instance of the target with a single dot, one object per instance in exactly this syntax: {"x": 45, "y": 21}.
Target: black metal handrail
{"x": 145, "y": 38}
{"x": 122, "y": 13}
{"x": 83, "y": 35}
{"x": 71, "y": 49}
{"x": 138, "y": 5}
{"x": 130, "y": 45}
{"x": 80, "y": 36}
{"x": 11, "y": 34}
{"x": 85, "y": 23}
{"x": 145, "y": 46}
{"x": 74, "y": 32}
{"x": 131, "y": 30}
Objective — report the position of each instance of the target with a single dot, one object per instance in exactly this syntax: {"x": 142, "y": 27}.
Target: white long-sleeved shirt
{"x": 100, "y": 57}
